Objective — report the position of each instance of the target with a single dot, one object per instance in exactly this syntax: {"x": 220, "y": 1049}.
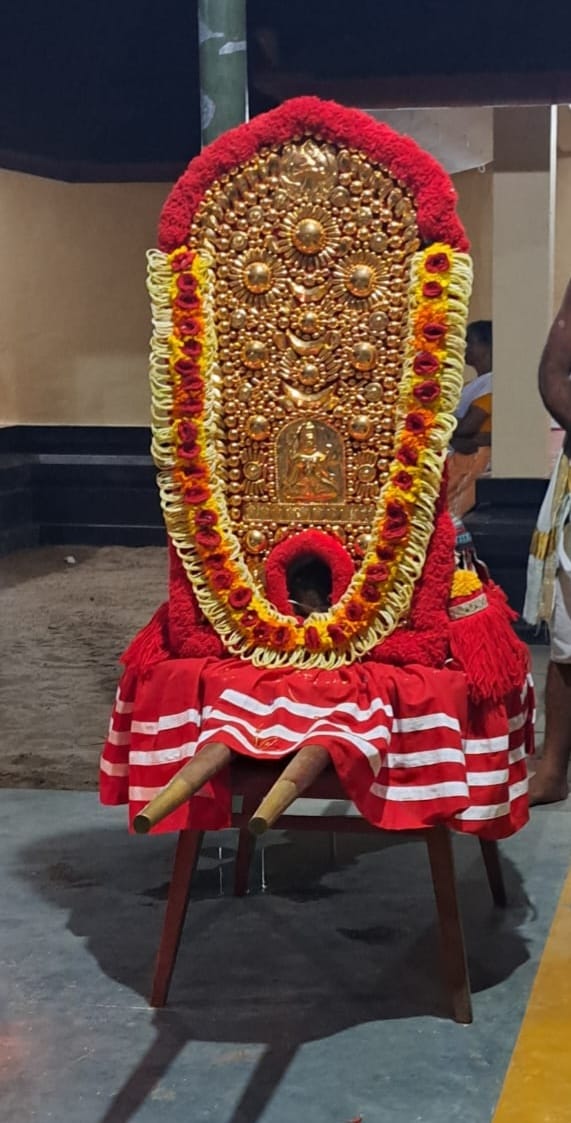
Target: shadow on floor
{"x": 329, "y": 947}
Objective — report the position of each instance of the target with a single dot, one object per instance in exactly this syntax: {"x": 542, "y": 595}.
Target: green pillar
{"x": 223, "y": 74}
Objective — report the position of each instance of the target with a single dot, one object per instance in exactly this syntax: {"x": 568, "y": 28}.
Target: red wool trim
{"x": 190, "y": 635}
{"x": 150, "y": 646}
{"x": 487, "y": 649}
{"x": 304, "y": 545}
{"x": 424, "y": 638}
{"x": 432, "y": 190}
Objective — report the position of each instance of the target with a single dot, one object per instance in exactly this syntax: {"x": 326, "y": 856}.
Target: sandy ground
{"x": 62, "y": 628}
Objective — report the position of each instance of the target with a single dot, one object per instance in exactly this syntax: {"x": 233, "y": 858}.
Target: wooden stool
{"x": 251, "y": 781}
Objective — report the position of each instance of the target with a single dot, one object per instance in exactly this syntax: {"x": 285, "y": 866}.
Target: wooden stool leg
{"x": 244, "y": 854}
{"x": 186, "y": 857}
{"x": 491, "y": 856}
{"x": 451, "y": 936}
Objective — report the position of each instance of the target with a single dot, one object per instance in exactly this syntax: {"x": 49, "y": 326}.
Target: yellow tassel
{"x": 464, "y": 583}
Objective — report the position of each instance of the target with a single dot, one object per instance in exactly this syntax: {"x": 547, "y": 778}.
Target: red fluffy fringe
{"x": 306, "y": 544}
{"x": 150, "y": 645}
{"x": 190, "y": 635}
{"x": 488, "y": 651}
{"x": 424, "y": 638}
{"x": 434, "y": 195}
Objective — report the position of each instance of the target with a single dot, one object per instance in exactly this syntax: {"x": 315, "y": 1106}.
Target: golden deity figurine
{"x": 311, "y": 474}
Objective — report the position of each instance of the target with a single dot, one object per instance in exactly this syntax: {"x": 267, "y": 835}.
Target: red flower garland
{"x": 434, "y": 195}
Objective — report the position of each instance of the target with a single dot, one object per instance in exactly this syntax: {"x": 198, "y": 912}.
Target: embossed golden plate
{"x": 307, "y": 355}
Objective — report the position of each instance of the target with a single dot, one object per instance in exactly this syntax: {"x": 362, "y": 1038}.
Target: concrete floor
{"x": 317, "y": 999}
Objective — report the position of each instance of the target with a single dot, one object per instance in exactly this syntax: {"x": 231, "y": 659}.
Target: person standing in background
{"x": 470, "y": 451}
{"x": 548, "y": 596}
{"x": 471, "y": 444}
{"x": 474, "y": 412}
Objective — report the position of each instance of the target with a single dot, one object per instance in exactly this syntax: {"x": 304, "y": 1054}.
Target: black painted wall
{"x": 108, "y": 89}
{"x": 77, "y": 486}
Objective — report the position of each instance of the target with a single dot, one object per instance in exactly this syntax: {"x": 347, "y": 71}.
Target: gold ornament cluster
{"x": 312, "y": 248}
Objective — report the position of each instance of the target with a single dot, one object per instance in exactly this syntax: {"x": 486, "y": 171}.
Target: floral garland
{"x": 428, "y": 183}
{"x": 187, "y": 431}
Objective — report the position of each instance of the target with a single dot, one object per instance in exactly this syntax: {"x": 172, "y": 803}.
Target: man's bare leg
{"x": 549, "y": 784}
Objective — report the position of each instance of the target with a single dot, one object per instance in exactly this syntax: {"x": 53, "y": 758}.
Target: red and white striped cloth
{"x": 408, "y": 746}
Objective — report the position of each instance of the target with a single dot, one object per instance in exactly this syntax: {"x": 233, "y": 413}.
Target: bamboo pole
{"x": 301, "y": 771}
{"x": 210, "y": 760}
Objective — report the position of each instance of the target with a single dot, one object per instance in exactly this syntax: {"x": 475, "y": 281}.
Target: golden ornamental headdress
{"x": 309, "y": 306}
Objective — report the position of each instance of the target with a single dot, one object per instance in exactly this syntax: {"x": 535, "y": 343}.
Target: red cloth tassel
{"x": 487, "y": 649}
{"x": 150, "y": 645}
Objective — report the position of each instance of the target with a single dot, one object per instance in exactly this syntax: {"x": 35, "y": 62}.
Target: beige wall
{"x": 562, "y": 228}
{"x": 524, "y": 220}
{"x": 563, "y": 204}
{"x": 74, "y": 314}
{"x": 475, "y": 209}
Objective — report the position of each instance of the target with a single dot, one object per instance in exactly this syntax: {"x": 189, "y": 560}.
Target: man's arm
{"x": 471, "y": 423}
{"x": 555, "y": 366}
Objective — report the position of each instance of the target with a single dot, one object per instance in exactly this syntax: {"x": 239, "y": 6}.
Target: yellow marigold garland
{"x": 187, "y": 445}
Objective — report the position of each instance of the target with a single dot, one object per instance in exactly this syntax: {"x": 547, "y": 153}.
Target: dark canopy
{"x": 99, "y": 88}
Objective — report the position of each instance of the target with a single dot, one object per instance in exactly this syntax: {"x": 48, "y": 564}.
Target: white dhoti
{"x": 548, "y": 594}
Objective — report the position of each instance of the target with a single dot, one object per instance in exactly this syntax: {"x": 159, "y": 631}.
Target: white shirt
{"x": 479, "y": 386}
